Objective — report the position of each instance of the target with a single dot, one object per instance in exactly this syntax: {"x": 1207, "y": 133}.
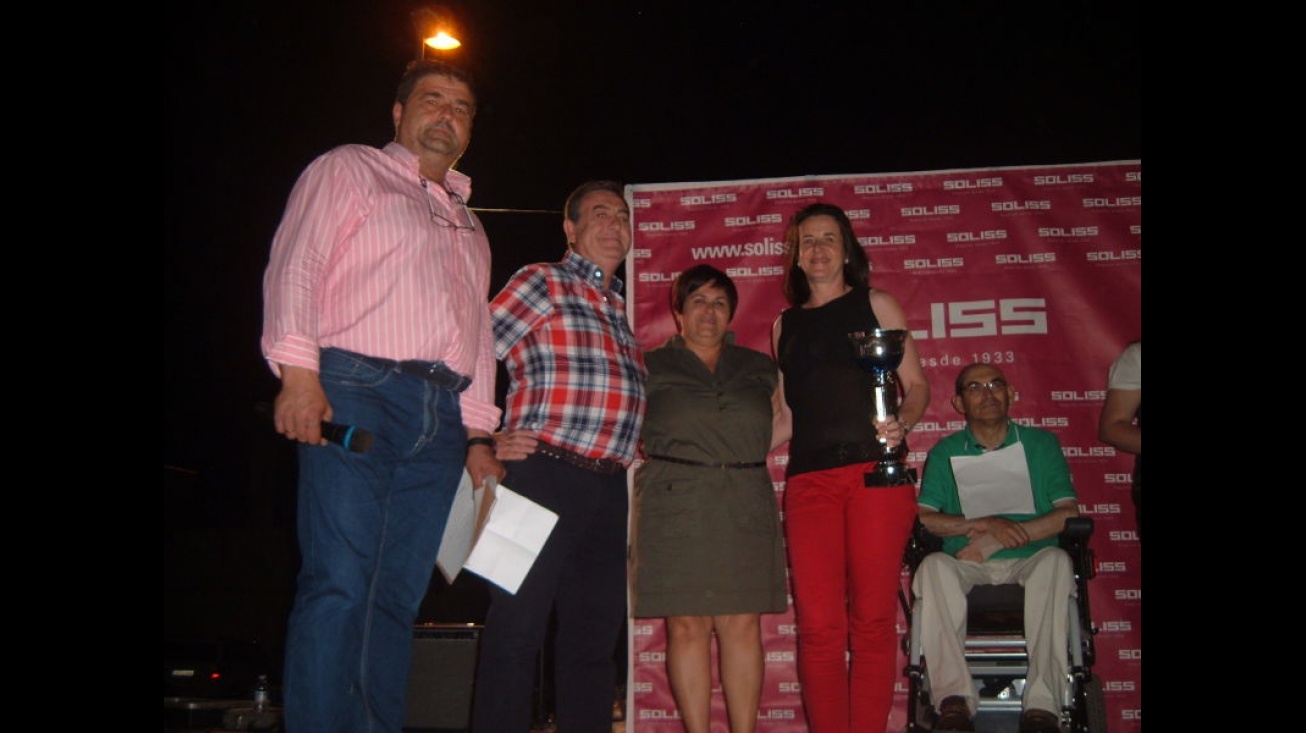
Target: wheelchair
{"x": 995, "y": 645}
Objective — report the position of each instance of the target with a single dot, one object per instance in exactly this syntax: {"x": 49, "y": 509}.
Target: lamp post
{"x": 435, "y": 28}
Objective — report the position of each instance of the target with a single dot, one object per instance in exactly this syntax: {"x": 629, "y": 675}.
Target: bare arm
{"x": 1051, "y": 524}
{"x": 782, "y": 419}
{"x": 1115, "y": 426}
{"x": 982, "y": 532}
{"x": 943, "y": 525}
{"x": 481, "y": 461}
{"x": 989, "y": 534}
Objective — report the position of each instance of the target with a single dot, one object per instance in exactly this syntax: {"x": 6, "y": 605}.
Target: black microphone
{"x": 352, "y": 438}
{"x": 349, "y": 437}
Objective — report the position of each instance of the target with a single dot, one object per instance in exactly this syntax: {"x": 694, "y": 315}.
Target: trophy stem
{"x": 880, "y": 351}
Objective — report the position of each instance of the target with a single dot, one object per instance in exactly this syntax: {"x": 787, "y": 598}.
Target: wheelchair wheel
{"x": 920, "y": 713}
{"x": 1091, "y": 718}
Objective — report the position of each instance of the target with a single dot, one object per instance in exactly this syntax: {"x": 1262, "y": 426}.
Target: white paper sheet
{"x": 994, "y": 483}
{"x": 514, "y": 534}
{"x": 465, "y": 519}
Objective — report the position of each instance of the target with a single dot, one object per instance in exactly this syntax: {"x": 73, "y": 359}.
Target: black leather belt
{"x": 687, "y": 462}
{"x": 846, "y": 453}
{"x": 435, "y": 372}
{"x": 825, "y": 457}
{"x": 605, "y": 466}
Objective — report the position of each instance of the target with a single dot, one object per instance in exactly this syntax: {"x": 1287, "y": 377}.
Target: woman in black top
{"x": 845, "y": 539}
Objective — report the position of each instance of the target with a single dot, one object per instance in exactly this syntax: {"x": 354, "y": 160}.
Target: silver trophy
{"x": 879, "y": 351}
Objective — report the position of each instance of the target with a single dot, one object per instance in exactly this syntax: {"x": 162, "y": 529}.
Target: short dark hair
{"x": 572, "y": 208}
{"x": 420, "y": 68}
{"x": 698, "y": 276}
{"x": 856, "y": 270}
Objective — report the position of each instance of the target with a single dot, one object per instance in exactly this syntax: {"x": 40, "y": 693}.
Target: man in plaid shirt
{"x": 574, "y": 409}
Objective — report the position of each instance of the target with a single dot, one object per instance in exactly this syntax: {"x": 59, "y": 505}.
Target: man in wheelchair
{"x": 998, "y": 494}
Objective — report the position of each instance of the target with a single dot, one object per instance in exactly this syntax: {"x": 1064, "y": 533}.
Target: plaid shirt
{"x": 575, "y": 373}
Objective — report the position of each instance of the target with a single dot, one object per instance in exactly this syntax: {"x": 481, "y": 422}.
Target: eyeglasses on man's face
{"x": 993, "y": 385}
{"x": 468, "y": 224}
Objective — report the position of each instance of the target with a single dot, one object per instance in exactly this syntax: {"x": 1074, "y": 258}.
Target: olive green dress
{"x": 707, "y": 541}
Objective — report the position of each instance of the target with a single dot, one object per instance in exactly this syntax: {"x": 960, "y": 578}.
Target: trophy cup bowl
{"x": 880, "y": 351}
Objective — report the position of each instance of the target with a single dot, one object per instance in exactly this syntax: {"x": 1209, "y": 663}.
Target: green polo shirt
{"x": 1049, "y": 476}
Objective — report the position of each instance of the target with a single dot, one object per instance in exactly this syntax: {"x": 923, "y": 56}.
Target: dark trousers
{"x": 581, "y": 576}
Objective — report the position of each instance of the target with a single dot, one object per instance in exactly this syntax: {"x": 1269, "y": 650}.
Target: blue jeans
{"x": 369, "y": 528}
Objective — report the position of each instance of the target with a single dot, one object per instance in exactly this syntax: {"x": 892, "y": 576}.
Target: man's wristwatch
{"x": 481, "y": 441}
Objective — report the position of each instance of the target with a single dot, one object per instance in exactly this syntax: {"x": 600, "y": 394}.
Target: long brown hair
{"x": 856, "y": 268}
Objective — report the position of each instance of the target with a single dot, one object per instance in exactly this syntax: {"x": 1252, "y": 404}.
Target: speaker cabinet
{"x": 441, "y": 677}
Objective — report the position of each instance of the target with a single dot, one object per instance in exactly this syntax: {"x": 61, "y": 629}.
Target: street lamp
{"x": 435, "y": 28}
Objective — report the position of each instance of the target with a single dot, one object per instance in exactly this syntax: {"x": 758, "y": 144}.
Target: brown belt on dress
{"x": 687, "y": 462}
{"x": 605, "y": 466}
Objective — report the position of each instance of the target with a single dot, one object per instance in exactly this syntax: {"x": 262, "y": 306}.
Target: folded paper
{"x": 466, "y": 517}
{"x": 514, "y": 533}
{"x": 995, "y": 483}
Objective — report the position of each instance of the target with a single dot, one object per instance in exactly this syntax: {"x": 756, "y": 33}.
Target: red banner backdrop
{"x": 1037, "y": 269}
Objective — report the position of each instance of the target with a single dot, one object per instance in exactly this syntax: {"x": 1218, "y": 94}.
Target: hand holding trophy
{"x": 879, "y": 351}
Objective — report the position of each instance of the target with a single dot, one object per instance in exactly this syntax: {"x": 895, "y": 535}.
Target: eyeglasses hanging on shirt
{"x": 469, "y": 226}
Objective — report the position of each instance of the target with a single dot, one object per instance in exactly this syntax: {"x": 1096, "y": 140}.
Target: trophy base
{"x": 889, "y": 473}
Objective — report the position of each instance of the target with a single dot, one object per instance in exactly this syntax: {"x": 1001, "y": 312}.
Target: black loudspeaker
{"x": 441, "y": 677}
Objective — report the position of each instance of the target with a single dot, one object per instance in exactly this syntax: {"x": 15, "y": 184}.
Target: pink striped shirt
{"x": 358, "y": 263}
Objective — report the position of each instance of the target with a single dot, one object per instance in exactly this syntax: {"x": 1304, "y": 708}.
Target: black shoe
{"x": 954, "y": 715}
{"x": 1039, "y": 721}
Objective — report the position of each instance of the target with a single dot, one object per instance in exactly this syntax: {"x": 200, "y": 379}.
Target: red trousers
{"x": 845, "y": 544}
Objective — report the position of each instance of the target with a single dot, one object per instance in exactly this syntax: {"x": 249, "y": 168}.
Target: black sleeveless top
{"x": 830, "y": 396}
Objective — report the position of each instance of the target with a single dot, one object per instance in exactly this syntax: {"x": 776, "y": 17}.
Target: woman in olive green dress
{"x": 707, "y": 549}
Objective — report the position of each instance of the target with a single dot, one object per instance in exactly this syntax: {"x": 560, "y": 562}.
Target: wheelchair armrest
{"x": 1074, "y": 540}
{"x": 921, "y": 543}
{"x": 1077, "y": 528}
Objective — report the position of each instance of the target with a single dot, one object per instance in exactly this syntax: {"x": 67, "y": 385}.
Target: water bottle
{"x": 263, "y": 718}
{"x": 261, "y": 695}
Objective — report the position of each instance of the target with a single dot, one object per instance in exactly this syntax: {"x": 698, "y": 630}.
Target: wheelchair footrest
{"x": 997, "y": 668}
{"x": 1015, "y": 643}
{"x": 993, "y": 705}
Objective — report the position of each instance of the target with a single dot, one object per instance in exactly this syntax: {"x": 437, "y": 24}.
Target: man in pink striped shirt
{"x": 376, "y": 317}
